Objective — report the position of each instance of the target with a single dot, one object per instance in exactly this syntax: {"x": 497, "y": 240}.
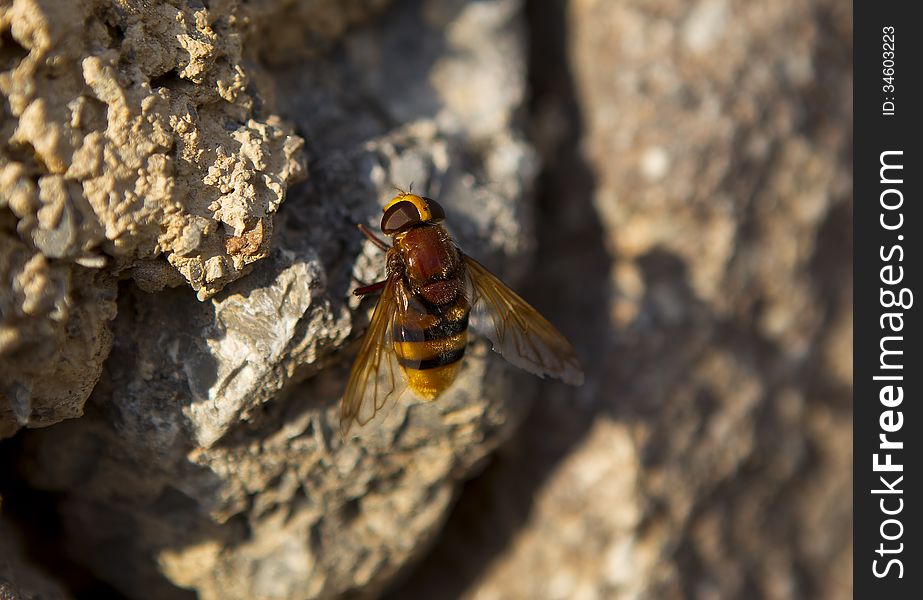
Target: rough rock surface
{"x": 130, "y": 133}
{"x": 704, "y": 188}
{"x": 693, "y": 224}
{"x": 210, "y": 456}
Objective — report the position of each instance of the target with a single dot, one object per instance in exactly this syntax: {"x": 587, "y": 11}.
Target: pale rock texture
{"x": 211, "y": 456}
{"x": 132, "y": 143}
{"x": 54, "y": 335}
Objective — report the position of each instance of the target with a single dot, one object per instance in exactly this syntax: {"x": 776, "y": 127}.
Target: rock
{"x": 210, "y": 457}
{"x": 19, "y": 579}
{"x": 54, "y": 335}
{"x": 130, "y": 136}
{"x": 694, "y": 219}
{"x": 286, "y": 31}
{"x": 136, "y": 121}
{"x": 699, "y": 174}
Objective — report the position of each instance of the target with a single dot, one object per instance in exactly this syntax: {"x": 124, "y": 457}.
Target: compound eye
{"x": 435, "y": 209}
{"x": 400, "y": 216}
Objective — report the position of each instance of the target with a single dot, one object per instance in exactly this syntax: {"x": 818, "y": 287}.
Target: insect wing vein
{"x": 375, "y": 378}
{"x": 518, "y": 332}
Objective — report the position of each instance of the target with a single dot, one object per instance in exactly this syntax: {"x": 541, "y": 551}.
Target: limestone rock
{"x": 694, "y": 218}
{"x": 213, "y": 434}
{"x": 130, "y": 134}
{"x": 54, "y": 335}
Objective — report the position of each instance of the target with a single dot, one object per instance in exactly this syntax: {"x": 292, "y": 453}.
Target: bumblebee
{"x": 419, "y": 330}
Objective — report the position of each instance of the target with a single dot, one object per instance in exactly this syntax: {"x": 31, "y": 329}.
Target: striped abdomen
{"x": 430, "y": 342}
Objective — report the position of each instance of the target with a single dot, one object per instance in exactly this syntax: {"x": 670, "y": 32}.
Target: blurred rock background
{"x": 669, "y": 182}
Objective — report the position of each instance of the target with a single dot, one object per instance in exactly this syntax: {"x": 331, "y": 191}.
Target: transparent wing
{"x": 376, "y": 376}
{"x": 518, "y": 332}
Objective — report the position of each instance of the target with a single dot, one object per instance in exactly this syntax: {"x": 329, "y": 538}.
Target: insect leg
{"x": 368, "y": 289}
{"x": 372, "y": 237}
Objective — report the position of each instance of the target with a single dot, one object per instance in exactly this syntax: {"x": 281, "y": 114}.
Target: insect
{"x": 419, "y": 329}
